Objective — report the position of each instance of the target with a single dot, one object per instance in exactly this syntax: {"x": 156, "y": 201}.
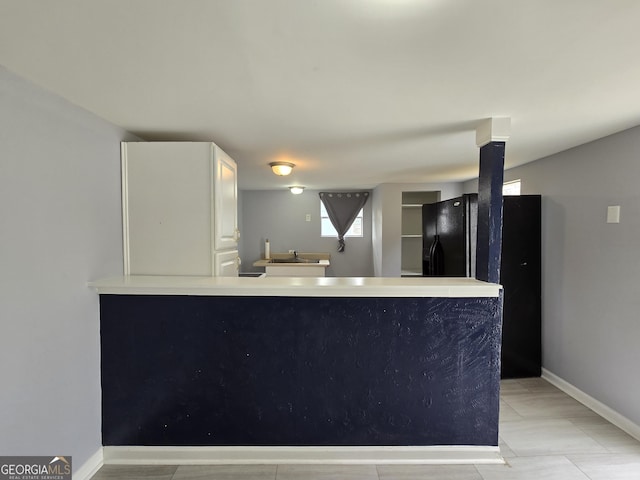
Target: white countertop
{"x": 268, "y": 263}
{"x": 296, "y": 286}
{"x": 323, "y": 260}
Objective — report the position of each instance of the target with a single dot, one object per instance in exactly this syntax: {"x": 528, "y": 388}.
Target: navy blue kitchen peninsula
{"x": 299, "y": 362}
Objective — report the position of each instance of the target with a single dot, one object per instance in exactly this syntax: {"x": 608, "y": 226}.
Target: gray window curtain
{"x": 343, "y": 208}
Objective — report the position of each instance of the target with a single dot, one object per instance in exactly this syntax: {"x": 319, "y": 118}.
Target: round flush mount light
{"x": 281, "y": 168}
{"x": 296, "y": 190}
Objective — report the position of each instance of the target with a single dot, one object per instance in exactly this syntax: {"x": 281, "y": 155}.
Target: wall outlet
{"x": 291, "y": 251}
{"x": 308, "y": 217}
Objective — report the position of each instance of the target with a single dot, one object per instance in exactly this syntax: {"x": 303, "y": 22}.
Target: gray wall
{"x": 61, "y": 227}
{"x": 387, "y": 221}
{"x": 280, "y": 216}
{"x": 591, "y": 292}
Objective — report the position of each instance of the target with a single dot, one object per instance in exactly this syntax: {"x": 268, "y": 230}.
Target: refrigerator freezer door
{"x": 455, "y": 221}
{"x": 451, "y": 226}
{"x": 429, "y": 231}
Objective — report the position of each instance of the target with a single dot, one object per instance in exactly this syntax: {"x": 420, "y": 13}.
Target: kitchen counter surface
{"x": 216, "y": 362}
{"x": 268, "y": 263}
{"x": 297, "y": 286}
{"x": 323, "y": 257}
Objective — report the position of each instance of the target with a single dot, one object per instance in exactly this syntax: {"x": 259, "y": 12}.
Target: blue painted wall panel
{"x": 490, "y": 181}
{"x": 179, "y": 370}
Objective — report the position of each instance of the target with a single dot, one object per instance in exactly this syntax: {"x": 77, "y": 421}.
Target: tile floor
{"x": 544, "y": 435}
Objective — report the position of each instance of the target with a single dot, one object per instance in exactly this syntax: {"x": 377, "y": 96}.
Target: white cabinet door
{"x": 227, "y": 263}
{"x": 226, "y": 200}
{"x": 167, "y": 208}
{"x": 179, "y": 205}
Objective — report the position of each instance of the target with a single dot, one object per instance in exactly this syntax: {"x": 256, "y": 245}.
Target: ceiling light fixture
{"x": 281, "y": 168}
{"x": 296, "y": 190}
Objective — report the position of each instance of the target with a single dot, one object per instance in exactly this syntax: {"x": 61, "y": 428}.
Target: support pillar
{"x": 491, "y": 137}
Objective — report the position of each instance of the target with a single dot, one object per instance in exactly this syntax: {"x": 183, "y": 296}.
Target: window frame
{"x": 333, "y": 233}
{"x": 506, "y": 188}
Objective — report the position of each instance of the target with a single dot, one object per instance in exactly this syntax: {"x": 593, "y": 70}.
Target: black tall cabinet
{"x": 520, "y": 275}
{"x": 454, "y": 221}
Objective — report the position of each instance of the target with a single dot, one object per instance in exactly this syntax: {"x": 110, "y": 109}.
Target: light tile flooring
{"x": 544, "y": 435}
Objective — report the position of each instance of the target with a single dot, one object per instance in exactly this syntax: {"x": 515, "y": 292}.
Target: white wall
{"x": 387, "y": 221}
{"x": 591, "y": 269}
{"x": 281, "y": 217}
{"x": 60, "y": 227}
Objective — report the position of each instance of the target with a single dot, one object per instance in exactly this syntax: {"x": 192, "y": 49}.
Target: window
{"x": 327, "y": 230}
{"x": 511, "y": 188}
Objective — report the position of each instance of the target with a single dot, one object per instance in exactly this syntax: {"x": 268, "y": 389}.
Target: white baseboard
{"x": 302, "y": 455}
{"x": 600, "y": 408}
{"x": 90, "y": 467}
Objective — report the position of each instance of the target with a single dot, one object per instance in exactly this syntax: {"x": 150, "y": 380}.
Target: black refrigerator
{"x": 455, "y": 223}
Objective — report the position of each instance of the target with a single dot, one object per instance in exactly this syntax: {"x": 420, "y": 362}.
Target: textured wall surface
{"x": 60, "y": 226}
{"x": 180, "y": 370}
{"x": 591, "y": 293}
{"x": 489, "y": 243}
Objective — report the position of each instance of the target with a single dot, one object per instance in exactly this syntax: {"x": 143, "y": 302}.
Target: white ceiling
{"x": 354, "y": 92}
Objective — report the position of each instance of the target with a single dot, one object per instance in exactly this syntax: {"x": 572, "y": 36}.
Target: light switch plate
{"x": 308, "y": 217}
{"x": 613, "y": 214}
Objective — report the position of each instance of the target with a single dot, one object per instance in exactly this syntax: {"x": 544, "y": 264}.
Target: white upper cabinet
{"x": 179, "y": 202}
{"x": 226, "y": 201}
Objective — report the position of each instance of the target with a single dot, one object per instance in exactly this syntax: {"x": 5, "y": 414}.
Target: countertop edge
{"x": 268, "y": 263}
{"x": 296, "y": 286}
